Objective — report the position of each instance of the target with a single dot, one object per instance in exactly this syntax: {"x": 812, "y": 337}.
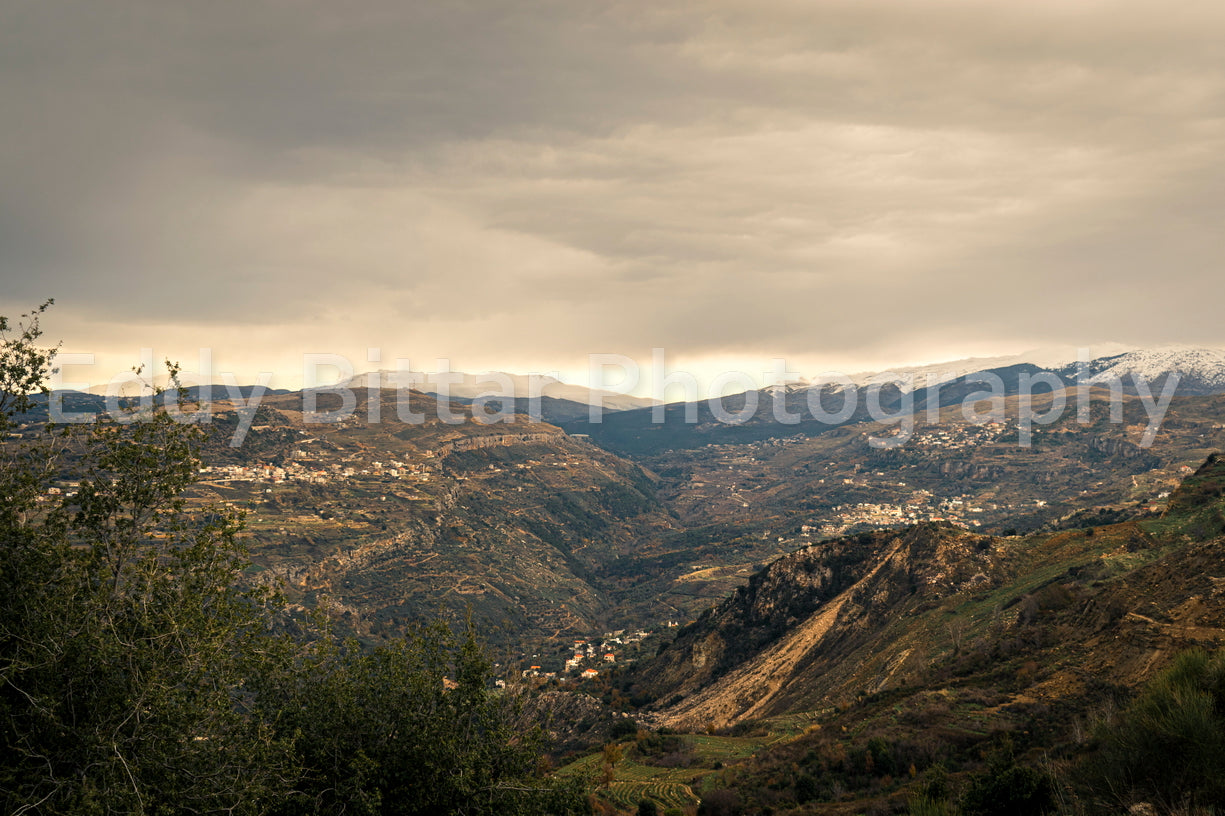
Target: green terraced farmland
{"x": 633, "y": 780}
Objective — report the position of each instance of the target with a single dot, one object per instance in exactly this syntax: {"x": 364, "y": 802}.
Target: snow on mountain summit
{"x": 1201, "y": 370}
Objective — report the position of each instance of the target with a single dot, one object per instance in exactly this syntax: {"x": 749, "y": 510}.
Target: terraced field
{"x": 681, "y": 787}
{"x": 627, "y": 793}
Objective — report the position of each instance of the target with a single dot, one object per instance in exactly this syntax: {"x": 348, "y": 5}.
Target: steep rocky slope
{"x": 809, "y": 613}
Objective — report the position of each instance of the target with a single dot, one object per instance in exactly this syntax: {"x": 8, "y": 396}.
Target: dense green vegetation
{"x": 1168, "y": 746}
{"x": 140, "y": 673}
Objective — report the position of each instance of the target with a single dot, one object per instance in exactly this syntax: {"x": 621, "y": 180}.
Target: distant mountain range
{"x": 1057, "y": 358}
{"x": 558, "y": 401}
{"x": 1200, "y": 372}
{"x": 462, "y": 386}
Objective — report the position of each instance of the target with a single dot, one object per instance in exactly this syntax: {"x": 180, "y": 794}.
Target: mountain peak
{"x": 467, "y": 386}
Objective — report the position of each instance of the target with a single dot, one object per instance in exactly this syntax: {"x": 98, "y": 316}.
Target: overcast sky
{"x": 517, "y": 185}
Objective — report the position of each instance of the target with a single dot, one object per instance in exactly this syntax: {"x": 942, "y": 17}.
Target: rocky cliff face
{"x": 470, "y": 443}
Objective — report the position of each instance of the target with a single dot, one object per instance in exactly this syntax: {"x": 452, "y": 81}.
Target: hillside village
{"x": 302, "y": 470}
{"x": 587, "y": 658}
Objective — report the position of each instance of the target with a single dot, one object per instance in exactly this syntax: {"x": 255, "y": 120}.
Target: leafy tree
{"x": 411, "y": 727}
{"x": 125, "y": 637}
{"x": 139, "y": 672}
{"x": 932, "y": 796}
{"x": 806, "y": 788}
{"x": 623, "y": 728}
{"x": 721, "y": 802}
{"x": 1007, "y": 788}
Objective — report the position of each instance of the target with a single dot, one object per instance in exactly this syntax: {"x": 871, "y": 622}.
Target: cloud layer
{"x": 519, "y": 185}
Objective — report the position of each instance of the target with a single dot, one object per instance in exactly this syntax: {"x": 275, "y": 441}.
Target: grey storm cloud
{"x": 539, "y": 180}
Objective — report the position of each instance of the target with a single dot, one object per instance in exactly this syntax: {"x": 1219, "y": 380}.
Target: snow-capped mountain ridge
{"x": 1200, "y": 370}
{"x": 927, "y": 375}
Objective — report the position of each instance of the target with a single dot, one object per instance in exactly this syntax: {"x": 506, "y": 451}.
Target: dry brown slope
{"x": 855, "y": 594}
{"x": 748, "y": 690}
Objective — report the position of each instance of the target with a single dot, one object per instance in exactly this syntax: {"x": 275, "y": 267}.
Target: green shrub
{"x": 922, "y": 806}
{"x": 1006, "y": 788}
{"x": 623, "y": 728}
{"x": 1169, "y": 744}
{"x": 1012, "y": 790}
{"x": 932, "y": 798}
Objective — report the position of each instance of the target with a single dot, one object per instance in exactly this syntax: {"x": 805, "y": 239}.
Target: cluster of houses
{"x": 956, "y": 437}
{"x": 297, "y": 471}
{"x": 56, "y": 493}
{"x": 920, "y": 507}
{"x": 587, "y": 655}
